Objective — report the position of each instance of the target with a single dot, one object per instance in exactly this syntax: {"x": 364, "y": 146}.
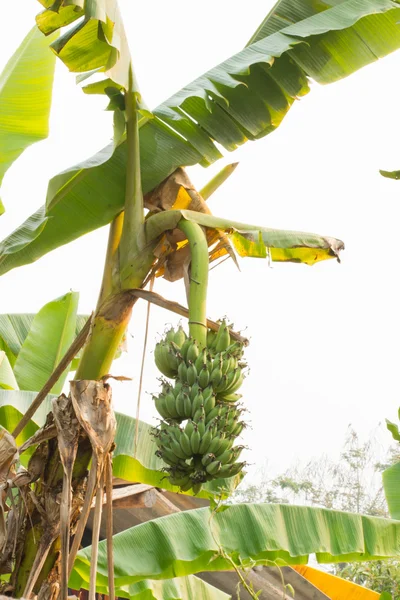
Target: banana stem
{"x": 198, "y": 280}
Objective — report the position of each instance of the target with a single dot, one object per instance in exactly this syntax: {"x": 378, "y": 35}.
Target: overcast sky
{"x": 324, "y": 347}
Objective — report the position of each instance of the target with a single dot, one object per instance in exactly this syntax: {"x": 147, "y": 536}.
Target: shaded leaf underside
{"x": 244, "y": 98}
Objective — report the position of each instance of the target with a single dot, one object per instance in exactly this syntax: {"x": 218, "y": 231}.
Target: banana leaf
{"x": 145, "y": 467}
{"x": 7, "y": 378}
{"x": 15, "y": 327}
{"x": 25, "y": 98}
{"x": 391, "y": 486}
{"x": 49, "y": 337}
{"x": 97, "y": 42}
{"x": 245, "y": 97}
{"x": 253, "y": 240}
{"x": 247, "y": 534}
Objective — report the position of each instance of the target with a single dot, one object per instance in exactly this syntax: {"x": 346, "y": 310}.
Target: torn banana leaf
{"x": 245, "y": 97}
{"x": 253, "y": 240}
{"x": 7, "y": 377}
{"x": 145, "y": 467}
{"x": 26, "y": 86}
{"x": 248, "y": 533}
{"x": 96, "y": 29}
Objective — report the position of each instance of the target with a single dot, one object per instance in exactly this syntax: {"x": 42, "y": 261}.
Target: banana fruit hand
{"x": 200, "y": 411}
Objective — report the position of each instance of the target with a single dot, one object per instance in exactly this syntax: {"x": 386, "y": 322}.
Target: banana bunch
{"x": 200, "y": 411}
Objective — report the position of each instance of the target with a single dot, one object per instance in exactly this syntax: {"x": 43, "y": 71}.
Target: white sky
{"x": 325, "y": 339}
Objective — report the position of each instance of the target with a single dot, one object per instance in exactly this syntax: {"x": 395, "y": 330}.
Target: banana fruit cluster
{"x": 201, "y": 417}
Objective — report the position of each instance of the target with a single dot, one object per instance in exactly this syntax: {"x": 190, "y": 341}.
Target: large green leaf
{"x": 25, "y": 98}
{"x": 15, "y": 327}
{"x": 263, "y": 533}
{"x": 50, "y": 335}
{"x": 7, "y": 377}
{"x": 245, "y": 97}
{"x": 144, "y": 467}
{"x": 97, "y": 41}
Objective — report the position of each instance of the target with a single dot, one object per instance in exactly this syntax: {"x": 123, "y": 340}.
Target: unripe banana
{"x": 170, "y": 334}
{"x": 195, "y": 389}
{"x": 185, "y": 445}
{"x": 201, "y": 360}
{"x": 201, "y": 424}
{"x": 215, "y": 377}
{"x": 238, "y": 428}
{"x": 216, "y": 443}
{"x": 193, "y": 352}
{"x": 180, "y": 336}
{"x": 168, "y": 456}
{"x": 209, "y": 404}
{"x": 170, "y": 404}
{"x": 229, "y": 397}
{"x": 223, "y": 339}
{"x": 179, "y": 481}
{"x": 185, "y": 347}
{"x": 204, "y": 376}
{"x": 236, "y": 452}
{"x": 215, "y": 412}
{"x": 217, "y": 362}
{"x": 222, "y": 384}
{"x": 213, "y": 467}
{"x": 207, "y": 459}
{"x": 187, "y": 486}
{"x": 197, "y": 403}
{"x": 231, "y": 470}
{"x": 197, "y": 488}
{"x": 195, "y": 440}
{"x": 199, "y": 414}
{"x": 180, "y": 404}
{"x": 237, "y": 380}
{"x": 174, "y": 431}
{"x": 161, "y": 407}
{"x": 189, "y": 428}
{"x": 182, "y": 372}
{"x": 176, "y": 449}
{"x": 224, "y": 458}
{"x": 177, "y": 388}
{"x": 161, "y": 359}
{"x": 187, "y": 406}
{"x": 191, "y": 374}
{"x": 225, "y": 445}
{"x": 211, "y": 335}
{"x": 205, "y": 442}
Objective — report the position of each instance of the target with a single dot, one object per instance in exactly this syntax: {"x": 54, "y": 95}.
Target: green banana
{"x": 161, "y": 407}
{"x": 203, "y": 376}
{"x": 180, "y": 404}
{"x": 216, "y": 376}
{"x": 207, "y": 459}
{"x": 197, "y": 403}
{"x": 162, "y": 361}
{"x": 193, "y": 352}
{"x": 216, "y": 443}
{"x": 231, "y": 470}
{"x": 182, "y": 372}
{"x": 201, "y": 424}
{"x": 195, "y": 389}
{"x": 185, "y": 347}
{"x": 213, "y": 467}
{"x": 184, "y": 442}
{"x": 170, "y": 403}
{"x": 176, "y": 449}
{"x": 187, "y": 406}
{"x": 209, "y": 403}
{"x": 191, "y": 374}
{"x": 179, "y": 481}
{"x": 223, "y": 338}
{"x": 229, "y": 397}
{"x": 195, "y": 440}
{"x": 205, "y": 442}
{"x": 180, "y": 336}
{"x": 201, "y": 360}
{"x": 189, "y": 428}
{"x": 197, "y": 488}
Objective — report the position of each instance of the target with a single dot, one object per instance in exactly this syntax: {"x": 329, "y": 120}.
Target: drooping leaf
{"x": 7, "y": 377}
{"x": 50, "y": 335}
{"x": 391, "y": 486}
{"x": 25, "y": 98}
{"x": 95, "y": 41}
{"x": 253, "y": 240}
{"x": 265, "y": 533}
{"x": 390, "y": 174}
{"x": 245, "y": 97}
{"x": 15, "y": 327}
{"x": 394, "y": 430}
{"x": 145, "y": 467}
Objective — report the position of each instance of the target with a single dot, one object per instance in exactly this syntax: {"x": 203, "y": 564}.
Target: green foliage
{"x": 352, "y": 484}
{"x": 26, "y": 85}
{"x": 244, "y": 98}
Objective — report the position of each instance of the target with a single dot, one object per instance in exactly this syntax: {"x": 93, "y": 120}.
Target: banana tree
{"x": 244, "y": 98}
